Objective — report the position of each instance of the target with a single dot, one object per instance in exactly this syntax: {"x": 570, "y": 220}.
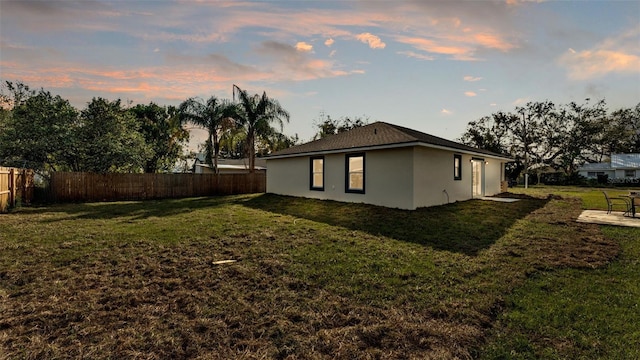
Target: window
{"x": 355, "y": 173}
{"x": 630, "y": 173}
{"x": 457, "y": 167}
{"x": 594, "y": 174}
{"x": 317, "y": 173}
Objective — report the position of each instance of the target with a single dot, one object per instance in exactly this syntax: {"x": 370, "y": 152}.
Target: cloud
{"x": 520, "y": 101}
{"x": 446, "y": 112}
{"x": 329, "y": 42}
{"x": 619, "y": 54}
{"x": 471, "y": 78}
{"x": 416, "y": 55}
{"x": 332, "y": 53}
{"x": 297, "y": 65}
{"x": 455, "y": 51}
{"x": 492, "y": 41}
{"x": 373, "y": 41}
{"x": 304, "y": 47}
{"x": 470, "y": 93}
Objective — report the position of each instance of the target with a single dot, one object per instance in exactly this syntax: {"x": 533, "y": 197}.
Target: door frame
{"x": 480, "y": 163}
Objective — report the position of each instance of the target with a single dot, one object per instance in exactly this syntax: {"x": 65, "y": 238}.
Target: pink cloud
{"x": 590, "y": 64}
{"x": 416, "y": 55}
{"x": 492, "y": 41}
{"x": 471, "y": 78}
{"x": 373, "y": 41}
{"x": 304, "y": 47}
{"x": 458, "y": 52}
{"x": 619, "y": 54}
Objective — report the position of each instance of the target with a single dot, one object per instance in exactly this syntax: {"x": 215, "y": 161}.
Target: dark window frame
{"x": 457, "y": 167}
{"x": 347, "y": 188}
{"x": 311, "y": 173}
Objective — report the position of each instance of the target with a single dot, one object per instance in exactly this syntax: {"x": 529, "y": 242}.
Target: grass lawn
{"x": 315, "y": 279}
{"x": 575, "y": 313}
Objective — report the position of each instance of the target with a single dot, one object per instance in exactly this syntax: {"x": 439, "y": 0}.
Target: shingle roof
{"x": 628, "y": 161}
{"x": 378, "y": 134}
{"x": 595, "y": 166}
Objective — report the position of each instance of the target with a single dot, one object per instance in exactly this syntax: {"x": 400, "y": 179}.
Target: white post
{"x": 526, "y": 181}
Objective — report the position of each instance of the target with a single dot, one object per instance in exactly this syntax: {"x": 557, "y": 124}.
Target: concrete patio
{"x": 601, "y": 217}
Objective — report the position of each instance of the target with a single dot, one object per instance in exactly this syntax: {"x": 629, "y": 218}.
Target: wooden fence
{"x": 15, "y": 184}
{"x": 81, "y": 187}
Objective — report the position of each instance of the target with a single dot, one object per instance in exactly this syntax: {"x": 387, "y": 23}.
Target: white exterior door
{"x": 477, "y": 178}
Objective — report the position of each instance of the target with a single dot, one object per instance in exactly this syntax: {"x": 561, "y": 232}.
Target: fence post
{"x": 12, "y": 187}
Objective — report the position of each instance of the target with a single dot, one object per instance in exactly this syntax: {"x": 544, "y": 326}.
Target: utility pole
{"x": 526, "y": 150}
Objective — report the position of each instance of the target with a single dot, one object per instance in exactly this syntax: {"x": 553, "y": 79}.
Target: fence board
{"x": 15, "y": 183}
{"x": 81, "y": 187}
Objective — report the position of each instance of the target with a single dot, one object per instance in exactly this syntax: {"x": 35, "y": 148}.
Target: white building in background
{"x": 620, "y": 167}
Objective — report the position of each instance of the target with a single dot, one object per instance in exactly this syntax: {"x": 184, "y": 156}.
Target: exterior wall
{"x": 493, "y": 175}
{"x": 620, "y": 173}
{"x": 610, "y": 173}
{"x": 388, "y": 178}
{"x": 433, "y": 178}
{"x": 405, "y": 178}
{"x": 289, "y": 176}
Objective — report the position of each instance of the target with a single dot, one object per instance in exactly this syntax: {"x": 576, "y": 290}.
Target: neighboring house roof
{"x": 223, "y": 161}
{"x": 232, "y": 167}
{"x": 618, "y": 161}
{"x": 378, "y": 135}
{"x": 595, "y": 167}
{"x": 625, "y": 161}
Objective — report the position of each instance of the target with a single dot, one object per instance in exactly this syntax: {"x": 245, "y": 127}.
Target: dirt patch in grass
{"x": 79, "y": 282}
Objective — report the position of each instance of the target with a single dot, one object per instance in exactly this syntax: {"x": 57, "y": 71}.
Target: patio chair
{"x": 622, "y": 201}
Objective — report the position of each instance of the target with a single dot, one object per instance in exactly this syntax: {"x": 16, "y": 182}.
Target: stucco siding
{"x": 492, "y": 178}
{"x": 434, "y": 182}
{"x": 289, "y": 176}
{"x": 405, "y": 178}
{"x": 388, "y": 178}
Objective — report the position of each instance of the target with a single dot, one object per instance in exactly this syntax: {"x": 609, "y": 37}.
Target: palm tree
{"x": 216, "y": 116}
{"x": 257, "y": 113}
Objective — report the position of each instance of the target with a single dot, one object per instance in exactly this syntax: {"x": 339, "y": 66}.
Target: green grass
{"x": 592, "y": 198}
{"x": 313, "y": 279}
{"x": 575, "y": 313}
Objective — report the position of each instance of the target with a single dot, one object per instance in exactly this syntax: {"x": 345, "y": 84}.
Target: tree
{"x": 216, "y": 116}
{"x": 110, "y": 138}
{"x": 487, "y": 133}
{"x": 257, "y": 113}
{"x": 162, "y": 130}
{"x": 563, "y": 137}
{"x": 329, "y": 126}
{"x": 37, "y": 129}
{"x": 622, "y": 131}
{"x": 233, "y": 143}
{"x": 275, "y": 141}
{"x": 580, "y": 135}
{"x": 18, "y": 93}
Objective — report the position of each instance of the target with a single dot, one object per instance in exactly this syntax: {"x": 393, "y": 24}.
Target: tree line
{"x": 542, "y": 135}
{"x": 45, "y": 132}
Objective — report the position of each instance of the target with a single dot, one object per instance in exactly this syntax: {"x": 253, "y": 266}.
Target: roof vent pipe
{"x": 375, "y": 131}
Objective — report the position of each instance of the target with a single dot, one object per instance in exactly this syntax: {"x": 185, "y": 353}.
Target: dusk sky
{"x": 429, "y": 65}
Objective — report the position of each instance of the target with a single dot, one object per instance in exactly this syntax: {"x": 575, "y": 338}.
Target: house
{"x": 229, "y": 166}
{"x": 386, "y": 165}
{"x": 620, "y": 167}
